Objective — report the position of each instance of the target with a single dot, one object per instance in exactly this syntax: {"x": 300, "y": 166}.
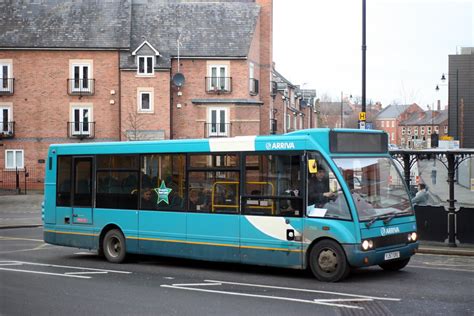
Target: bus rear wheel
{"x": 395, "y": 265}
{"x": 114, "y": 247}
{"x": 328, "y": 261}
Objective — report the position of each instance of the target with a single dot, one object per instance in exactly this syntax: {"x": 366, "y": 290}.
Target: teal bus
{"x": 320, "y": 199}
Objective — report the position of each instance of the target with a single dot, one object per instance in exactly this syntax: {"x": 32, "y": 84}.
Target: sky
{"x": 318, "y": 43}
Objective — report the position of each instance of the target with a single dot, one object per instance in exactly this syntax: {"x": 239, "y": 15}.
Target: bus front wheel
{"x": 328, "y": 261}
{"x": 395, "y": 265}
{"x": 114, "y": 246}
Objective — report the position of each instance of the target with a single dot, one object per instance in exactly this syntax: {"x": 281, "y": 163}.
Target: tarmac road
{"x": 41, "y": 279}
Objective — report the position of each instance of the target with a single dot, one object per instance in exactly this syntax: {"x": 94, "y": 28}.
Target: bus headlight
{"x": 367, "y": 244}
{"x": 412, "y": 237}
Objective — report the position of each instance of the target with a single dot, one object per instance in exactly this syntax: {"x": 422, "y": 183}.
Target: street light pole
{"x": 342, "y": 115}
{"x": 364, "y": 48}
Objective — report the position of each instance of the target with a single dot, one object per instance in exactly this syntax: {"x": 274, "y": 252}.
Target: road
{"x": 41, "y": 279}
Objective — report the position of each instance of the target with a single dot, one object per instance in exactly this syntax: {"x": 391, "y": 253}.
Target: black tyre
{"x": 328, "y": 261}
{"x": 113, "y": 246}
{"x": 395, "y": 265}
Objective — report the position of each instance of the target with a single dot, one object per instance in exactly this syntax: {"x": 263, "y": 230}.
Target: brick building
{"x": 416, "y": 130}
{"x": 390, "y": 117}
{"x": 88, "y": 71}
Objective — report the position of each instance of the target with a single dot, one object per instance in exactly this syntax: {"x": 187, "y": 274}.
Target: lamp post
{"x": 443, "y": 79}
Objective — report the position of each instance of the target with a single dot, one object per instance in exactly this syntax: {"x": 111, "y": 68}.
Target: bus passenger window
{"x": 273, "y": 185}
{"x": 162, "y": 182}
{"x": 214, "y": 191}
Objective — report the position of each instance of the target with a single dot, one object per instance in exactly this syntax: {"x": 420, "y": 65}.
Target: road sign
{"x": 361, "y": 116}
{"x": 362, "y": 125}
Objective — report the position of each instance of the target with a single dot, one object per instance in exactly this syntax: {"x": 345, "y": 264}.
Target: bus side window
{"x": 273, "y": 185}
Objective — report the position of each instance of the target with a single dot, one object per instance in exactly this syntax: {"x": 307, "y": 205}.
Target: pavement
{"x": 20, "y": 211}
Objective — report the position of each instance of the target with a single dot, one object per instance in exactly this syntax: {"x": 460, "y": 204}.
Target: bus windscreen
{"x": 353, "y": 142}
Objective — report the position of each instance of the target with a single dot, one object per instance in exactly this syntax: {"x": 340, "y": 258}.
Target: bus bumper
{"x": 358, "y": 258}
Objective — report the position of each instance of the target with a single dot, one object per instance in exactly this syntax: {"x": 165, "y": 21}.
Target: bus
{"x": 315, "y": 199}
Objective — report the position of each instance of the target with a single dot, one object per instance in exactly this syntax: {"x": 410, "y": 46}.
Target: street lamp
{"x": 443, "y": 79}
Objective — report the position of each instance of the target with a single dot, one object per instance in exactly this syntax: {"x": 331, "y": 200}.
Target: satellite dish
{"x": 178, "y": 79}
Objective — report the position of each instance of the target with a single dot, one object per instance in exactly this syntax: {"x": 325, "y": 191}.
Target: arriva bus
{"x": 317, "y": 199}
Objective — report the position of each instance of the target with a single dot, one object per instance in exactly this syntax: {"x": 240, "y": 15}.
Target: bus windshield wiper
{"x": 387, "y": 217}
{"x": 382, "y": 216}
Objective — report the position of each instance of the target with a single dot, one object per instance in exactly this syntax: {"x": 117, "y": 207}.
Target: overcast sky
{"x": 318, "y": 42}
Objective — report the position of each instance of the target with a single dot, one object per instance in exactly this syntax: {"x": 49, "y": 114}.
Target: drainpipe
{"x": 120, "y": 97}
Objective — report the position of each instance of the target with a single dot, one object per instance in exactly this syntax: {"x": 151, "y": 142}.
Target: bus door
{"x": 82, "y": 191}
{"x": 271, "y": 225}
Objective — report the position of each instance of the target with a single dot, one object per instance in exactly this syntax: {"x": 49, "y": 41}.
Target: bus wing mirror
{"x": 312, "y": 166}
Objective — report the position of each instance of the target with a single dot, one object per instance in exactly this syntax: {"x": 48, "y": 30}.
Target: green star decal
{"x": 163, "y": 193}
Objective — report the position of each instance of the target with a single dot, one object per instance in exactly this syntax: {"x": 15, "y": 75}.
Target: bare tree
{"x": 133, "y": 124}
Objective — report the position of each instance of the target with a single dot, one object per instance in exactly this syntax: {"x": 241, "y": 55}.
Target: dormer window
{"x": 145, "y": 56}
{"x": 145, "y": 65}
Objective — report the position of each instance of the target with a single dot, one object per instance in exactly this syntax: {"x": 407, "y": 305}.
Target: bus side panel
{"x": 125, "y": 220}
{"x": 49, "y": 203}
{"x": 163, "y": 233}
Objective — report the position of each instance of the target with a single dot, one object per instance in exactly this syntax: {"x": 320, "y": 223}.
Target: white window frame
{"x": 251, "y": 76}
{"x": 436, "y": 128}
{"x": 393, "y": 123}
{"x": 216, "y": 85}
{"x": 383, "y": 123}
{"x": 446, "y": 129}
{"x": 140, "y": 92}
{"x": 9, "y": 126}
{"x": 409, "y": 131}
{"x": 428, "y": 131}
{"x": 415, "y": 131}
{"x": 81, "y": 65}
{"x": 216, "y": 130}
{"x": 15, "y": 153}
{"x": 422, "y": 130}
{"x": 81, "y": 130}
{"x": 9, "y": 75}
{"x": 145, "y": 64}
{"x": 404, "y": 130}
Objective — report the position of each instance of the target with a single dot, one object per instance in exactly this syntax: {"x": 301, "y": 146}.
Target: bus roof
{"x": 317, "y": 139}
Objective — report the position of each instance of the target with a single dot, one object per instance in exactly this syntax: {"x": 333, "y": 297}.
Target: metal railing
{"x": 217, "y": 130}
{"x": 80, "y": 86}
{"x": 218, "y": 84}
{"x": 7, "y": 86}
{"x": 7, "y": 129}
{"x": 81, "y": 130}
{"x": 20, "y": 180}
{"x": 253, "y": 86}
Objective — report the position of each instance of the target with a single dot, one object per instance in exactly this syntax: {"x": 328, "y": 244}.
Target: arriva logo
{"x": 389, "y": 231}
{"x": 283, "y": 145}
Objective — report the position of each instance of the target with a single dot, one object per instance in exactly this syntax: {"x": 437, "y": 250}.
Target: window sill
{"x": 145, "y": 112}
{"x": 145, "y": 75}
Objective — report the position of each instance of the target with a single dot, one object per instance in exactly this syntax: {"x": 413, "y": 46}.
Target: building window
{"x": 288, "y": 121}
{"x": 81, "y": 120}
{"x": 393, "y": 123}
{"x": 6, "y": 121}
{"x": 446, "y": 129}
{"x": 14, "y": 158}
{"x": 403, "y": 130}
{"x": 422, "y": 130}
{"x": 403, "y": 141}
{"x": 146, "y": 64}
{"x": 81, "y": 77}
{"x": 393, "y": 136}
{"x": 383, "y": 123}
{"x": 145, "y": 100}
{"x": 6, "y": 80}
{"x": 415, "y": 131}
{"x": 437, "y": 129}
{"x": 409, "y": 131}
{"x": 218, "y": 122}
{"x": 218, "y": 79}
{"x": 429, "y": 130}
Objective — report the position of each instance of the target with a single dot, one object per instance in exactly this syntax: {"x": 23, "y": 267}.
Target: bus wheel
{"x": 114, "y": 246}
{"x": 395, "y": 265}
{"x": 328, "y": 261}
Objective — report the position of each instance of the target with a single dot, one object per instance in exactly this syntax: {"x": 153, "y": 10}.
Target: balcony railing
{"x": 218, "y": 84}
{"x": 7, "y": 86}
{"x": 253, "y": 86}
{"x": 7, "y": 129}
{"x": 81, "y": 129}
{"x": 217, "y": 130}
{"x": 80, "y": 86}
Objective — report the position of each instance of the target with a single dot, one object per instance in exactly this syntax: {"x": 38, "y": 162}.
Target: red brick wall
{"x": 41, "y": 104}
{"x": 159, "y": 119}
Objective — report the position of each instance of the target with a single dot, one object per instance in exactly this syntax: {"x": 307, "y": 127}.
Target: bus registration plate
{"x": 392, "y": 255}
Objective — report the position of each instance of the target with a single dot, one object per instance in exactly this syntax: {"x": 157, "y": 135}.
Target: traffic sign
{"x": 361, "y": 116}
